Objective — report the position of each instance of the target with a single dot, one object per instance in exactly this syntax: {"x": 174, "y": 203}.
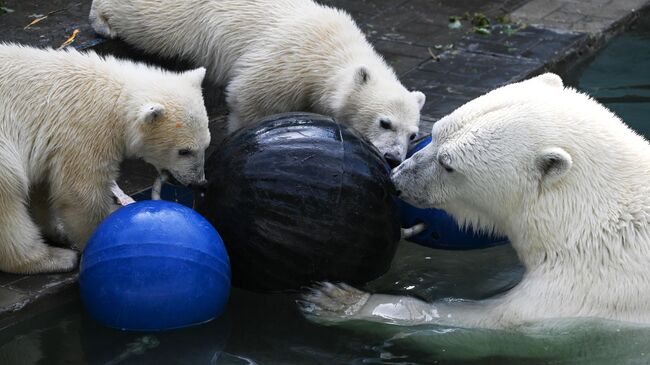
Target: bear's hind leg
{"x": 81, "y": 205}
{"x": 50, "y": 225}
{"x": 22, "y": 249}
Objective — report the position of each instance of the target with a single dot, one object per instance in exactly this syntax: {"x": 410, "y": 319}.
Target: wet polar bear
{"x": 276, "y": 56}
{"x": 67, "y": 120}
{"x": 556, "y": 172}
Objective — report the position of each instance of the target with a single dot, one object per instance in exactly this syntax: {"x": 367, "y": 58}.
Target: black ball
{"x": 301, "y": 198}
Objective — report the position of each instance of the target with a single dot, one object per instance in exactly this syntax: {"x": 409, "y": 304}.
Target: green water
{"x": 267, "y": 329}
{"x": 619, "y": 76}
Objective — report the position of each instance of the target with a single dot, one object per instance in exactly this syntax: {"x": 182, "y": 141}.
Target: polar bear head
{"x": 170, "y": 125}
{"x": 376, "y": 104}
{"x": 531, "y": 149}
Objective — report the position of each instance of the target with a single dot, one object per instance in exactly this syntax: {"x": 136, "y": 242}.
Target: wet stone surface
{"x": 593, "y": 17}
{"x": 52, "y": 32}
{"x": 451, "y": 66}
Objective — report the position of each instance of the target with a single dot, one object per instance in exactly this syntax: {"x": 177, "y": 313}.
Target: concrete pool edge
{"x": 475, "y": 65}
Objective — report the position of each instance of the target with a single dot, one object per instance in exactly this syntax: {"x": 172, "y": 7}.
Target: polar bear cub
{"x": 556, "y": 172}
{"x": 276, "y": 56}
{"x": 67, "y": 120}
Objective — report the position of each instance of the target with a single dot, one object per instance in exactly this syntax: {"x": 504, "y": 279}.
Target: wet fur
{"x": 562, "y": 177}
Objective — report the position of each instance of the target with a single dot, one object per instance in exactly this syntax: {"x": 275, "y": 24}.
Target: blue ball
{"x": 442, "y": 230}
{"x": 154, "y": 265}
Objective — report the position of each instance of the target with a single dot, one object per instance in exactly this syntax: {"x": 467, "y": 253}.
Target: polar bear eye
{"x": 184, "y": 152}
{"x": 385, "y": 123}
{"x": 444, "y": 160}
{"x": 412, "y": 136}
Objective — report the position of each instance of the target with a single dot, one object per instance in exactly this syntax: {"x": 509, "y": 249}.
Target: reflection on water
{"x": 267, "y": 328}
{"x": 566, "y": 341}
{"x": 619, "y": 76}
{"x": 66, "y": 335}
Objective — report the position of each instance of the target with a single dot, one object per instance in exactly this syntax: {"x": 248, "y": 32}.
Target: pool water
{"x": 268, "y": 329}
{"x": 619, "y": 76}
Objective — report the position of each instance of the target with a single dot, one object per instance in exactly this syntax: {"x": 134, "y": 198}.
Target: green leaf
{"x": 482, "y": 31}
{"x": 481, "y": 21}
{"x": 456, "y": 24}
{"x": 504, "y": 19}
{"x": 510, "y": 30}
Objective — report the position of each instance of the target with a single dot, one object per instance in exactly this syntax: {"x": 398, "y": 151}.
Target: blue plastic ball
{"x": 442, "y": 230}
{"x": 154, "y": 265}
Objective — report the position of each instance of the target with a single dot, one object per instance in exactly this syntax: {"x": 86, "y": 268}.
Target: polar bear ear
{"x": 549, "y": 79}
{"x": 361, "y": 75}
{"x": 553, "y": 163}
{"x": 195, "y": 76}
{"x": 419, "y": 97}
{"x": 149, "y": 112}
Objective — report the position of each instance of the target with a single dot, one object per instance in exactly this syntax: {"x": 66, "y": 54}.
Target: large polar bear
{"x": 556, "y": 172}
{"x": 67, "y": 120}
{"x": 276, "y": 56}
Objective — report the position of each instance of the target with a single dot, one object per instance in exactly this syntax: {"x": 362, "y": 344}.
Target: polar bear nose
{"x": 392, "y": 159}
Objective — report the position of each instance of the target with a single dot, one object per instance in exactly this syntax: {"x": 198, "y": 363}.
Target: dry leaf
{"x": 70, "y": 39}
{"x": 433, "y": 55}
{"x": 35, "y": 21}
{"x": 38, "y": 20}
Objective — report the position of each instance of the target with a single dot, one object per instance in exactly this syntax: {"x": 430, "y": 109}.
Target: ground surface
{"x": 451, "y": 66}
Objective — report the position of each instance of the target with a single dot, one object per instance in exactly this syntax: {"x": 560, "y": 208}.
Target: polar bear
{"x": 67, "y": 120}
{"x": 556, "y": 172}
{"x": 276, "y": 56}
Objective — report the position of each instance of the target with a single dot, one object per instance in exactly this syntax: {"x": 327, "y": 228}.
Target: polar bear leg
{"x": 39, "y": 208}
{"x": 233, "y": 122}
{"x": 81, "y": 207}
{"x": 22, "y": 249}
{"x": 232, "y": 100}
{"x": 334, "y": 303}
{"x": 246, "y": 97}
{"x": 99, "y": 21}
{"x": 328, "y": 302}
{"x": 337, "y": 302}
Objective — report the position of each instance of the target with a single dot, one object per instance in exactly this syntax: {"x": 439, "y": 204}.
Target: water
{"x": 619, "y": 76}
{"x": 267, "y": 328}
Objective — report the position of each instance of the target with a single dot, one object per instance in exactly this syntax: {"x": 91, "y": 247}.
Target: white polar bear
{"x": 556, "y": 172}
{"x": 67, "y": 120}
{"x": 276, "y": 56}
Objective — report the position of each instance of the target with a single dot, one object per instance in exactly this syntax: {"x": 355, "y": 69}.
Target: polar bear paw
{"x": 99, "y": 22}
{"x": 62, "y": 259}
{"x": 50, "y": 260}
{"x": 328, "y": 302}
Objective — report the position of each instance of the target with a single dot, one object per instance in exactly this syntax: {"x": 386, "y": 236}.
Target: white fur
{"x": 67, "y": 120}
{"x": 276, "y": 56}
{"x": 563, "y": 178}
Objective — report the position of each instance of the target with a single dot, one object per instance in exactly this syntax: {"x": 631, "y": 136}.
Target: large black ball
{"x": 301, "y": 198}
